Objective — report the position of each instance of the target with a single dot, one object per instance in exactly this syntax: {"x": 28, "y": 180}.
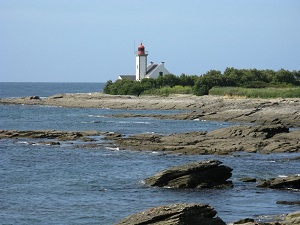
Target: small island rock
{"x": 204, "y": 174}
{"x": 175, "y": 214}
{"x": 282, "y": 182}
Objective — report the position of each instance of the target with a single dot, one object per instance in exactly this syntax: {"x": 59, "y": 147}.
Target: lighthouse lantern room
{"x": 141, "y": 63}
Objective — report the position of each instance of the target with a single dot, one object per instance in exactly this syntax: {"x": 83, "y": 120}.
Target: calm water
{"x": 66, "y": 185}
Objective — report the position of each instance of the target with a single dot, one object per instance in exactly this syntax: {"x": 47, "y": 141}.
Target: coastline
{"x": 218, "y": 108}
{"x": 272, "y": 136}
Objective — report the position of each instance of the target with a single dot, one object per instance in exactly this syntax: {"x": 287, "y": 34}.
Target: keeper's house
{"x": 142, "y": 70}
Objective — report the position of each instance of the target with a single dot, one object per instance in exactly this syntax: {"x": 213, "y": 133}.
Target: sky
{"x": 94, "y": 41}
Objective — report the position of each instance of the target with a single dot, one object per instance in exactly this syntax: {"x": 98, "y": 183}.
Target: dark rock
{"x": 243, "y": 221}
{"x": 247, "y": 179}
{"x": 269, "y": 131}
{"x": 57, "y": 96}
{"x": 112, "y": 136}
{"x": 49, "y": 134}
{"x": 52, "y": 143}
{"x": 288, "y": 202}
{"x": 282, "y": 182}
{"x": 175, "y": 214}
{"x": 204, "y": 174}
{"x": 34, "y": 97}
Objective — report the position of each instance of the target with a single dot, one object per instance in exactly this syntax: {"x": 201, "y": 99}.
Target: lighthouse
{"x": 141, "y": 62}
{"x": 142, "y": 70}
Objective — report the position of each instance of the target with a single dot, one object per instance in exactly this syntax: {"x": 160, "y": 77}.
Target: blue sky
{"x": 93, "y": 40}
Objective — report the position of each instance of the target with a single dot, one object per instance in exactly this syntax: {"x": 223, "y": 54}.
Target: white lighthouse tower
{"x": 141, "y": 63}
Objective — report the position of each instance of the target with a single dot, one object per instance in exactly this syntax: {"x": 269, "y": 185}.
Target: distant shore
{"x": 220, "y": 108}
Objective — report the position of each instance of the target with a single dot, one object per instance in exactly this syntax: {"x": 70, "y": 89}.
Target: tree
{"x": 170, "y": 80}
{"x": 232, "y": 76}
{"x": 106, "y": 89}
{"x": 207, "y": 81}
{"x": 185, "y": 80}
{"x": 148, "y": 83}
{"x": 284, "y": 76}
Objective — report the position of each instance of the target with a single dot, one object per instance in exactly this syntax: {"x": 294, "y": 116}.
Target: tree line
{"x": 200, "y": 85}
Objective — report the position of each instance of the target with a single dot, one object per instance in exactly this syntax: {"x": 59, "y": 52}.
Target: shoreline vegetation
{"x": 251, "y": 83}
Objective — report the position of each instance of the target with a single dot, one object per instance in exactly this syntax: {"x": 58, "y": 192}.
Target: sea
{"x": 42, "y": 184}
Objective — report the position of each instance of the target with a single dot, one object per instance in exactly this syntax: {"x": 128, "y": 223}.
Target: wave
{"x": 113, "y": 149}
{"x": 97, "y": 116}
{"x": 129, "y": 122}
{"x": 23, "y": 142}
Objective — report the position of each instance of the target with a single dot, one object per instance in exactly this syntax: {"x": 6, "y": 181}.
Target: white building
{"x": 142, "y": 70}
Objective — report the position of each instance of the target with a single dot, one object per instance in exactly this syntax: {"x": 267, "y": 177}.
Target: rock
{"x": 112, "y": 136}
{"x": 54, "y": 135}
{"x": 293, "y": 218}
{"x": 244, "y": 221}
{"x": 262, "y": 139}
{"x": 247, "y": 179}
{"x": 34, "y": 97}
{"x": 261, "y": 131}
{"x": 208, "y": 107}
{"x": 282, "y": 182}
{"x": 204, "y": 174}
{"x": 288, "y": 202}
{"x": 290, "y": 219}
{"x": 175, "y": 214}
{"x": 51, "y": 143}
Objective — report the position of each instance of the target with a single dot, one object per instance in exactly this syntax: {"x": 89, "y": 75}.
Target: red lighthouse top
{"x": 141, "y": 49}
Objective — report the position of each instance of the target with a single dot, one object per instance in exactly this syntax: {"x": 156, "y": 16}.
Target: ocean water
{"x": 42, "y": 184}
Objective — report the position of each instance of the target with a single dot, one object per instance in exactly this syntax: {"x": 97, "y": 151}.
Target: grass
{"x": 166, "y": 91}
{"x": 290, "y": 92}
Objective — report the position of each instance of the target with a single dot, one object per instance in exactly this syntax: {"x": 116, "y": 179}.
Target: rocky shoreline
{"x": 252, "y": 139}
{"x": 269, "y": 133}
{"x": 219, "y": 108}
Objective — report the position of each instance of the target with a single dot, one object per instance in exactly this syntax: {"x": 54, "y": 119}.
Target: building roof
{"x": 151, "y": 67}
{"x": 128, "y": 77}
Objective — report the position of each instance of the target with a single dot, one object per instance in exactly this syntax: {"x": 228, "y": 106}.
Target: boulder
{"x": 282, "y": 182}
{"x": 34, "y": 97}
{"x": 175, "y": 214}
{"x": 204, "y": 174}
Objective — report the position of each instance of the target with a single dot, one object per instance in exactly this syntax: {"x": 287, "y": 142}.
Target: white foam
{"x": 282, "y": 176}
{"x": 114, "y": 149}
{"x": 23, "y": 142}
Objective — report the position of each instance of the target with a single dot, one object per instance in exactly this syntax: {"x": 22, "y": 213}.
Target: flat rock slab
{"x": 204, "y": 174}
{"x": 47, "y": 134}
{"x": 175, "y": 214}
{"x": 282, "y": 182}
{"x": 259, "y": 138}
